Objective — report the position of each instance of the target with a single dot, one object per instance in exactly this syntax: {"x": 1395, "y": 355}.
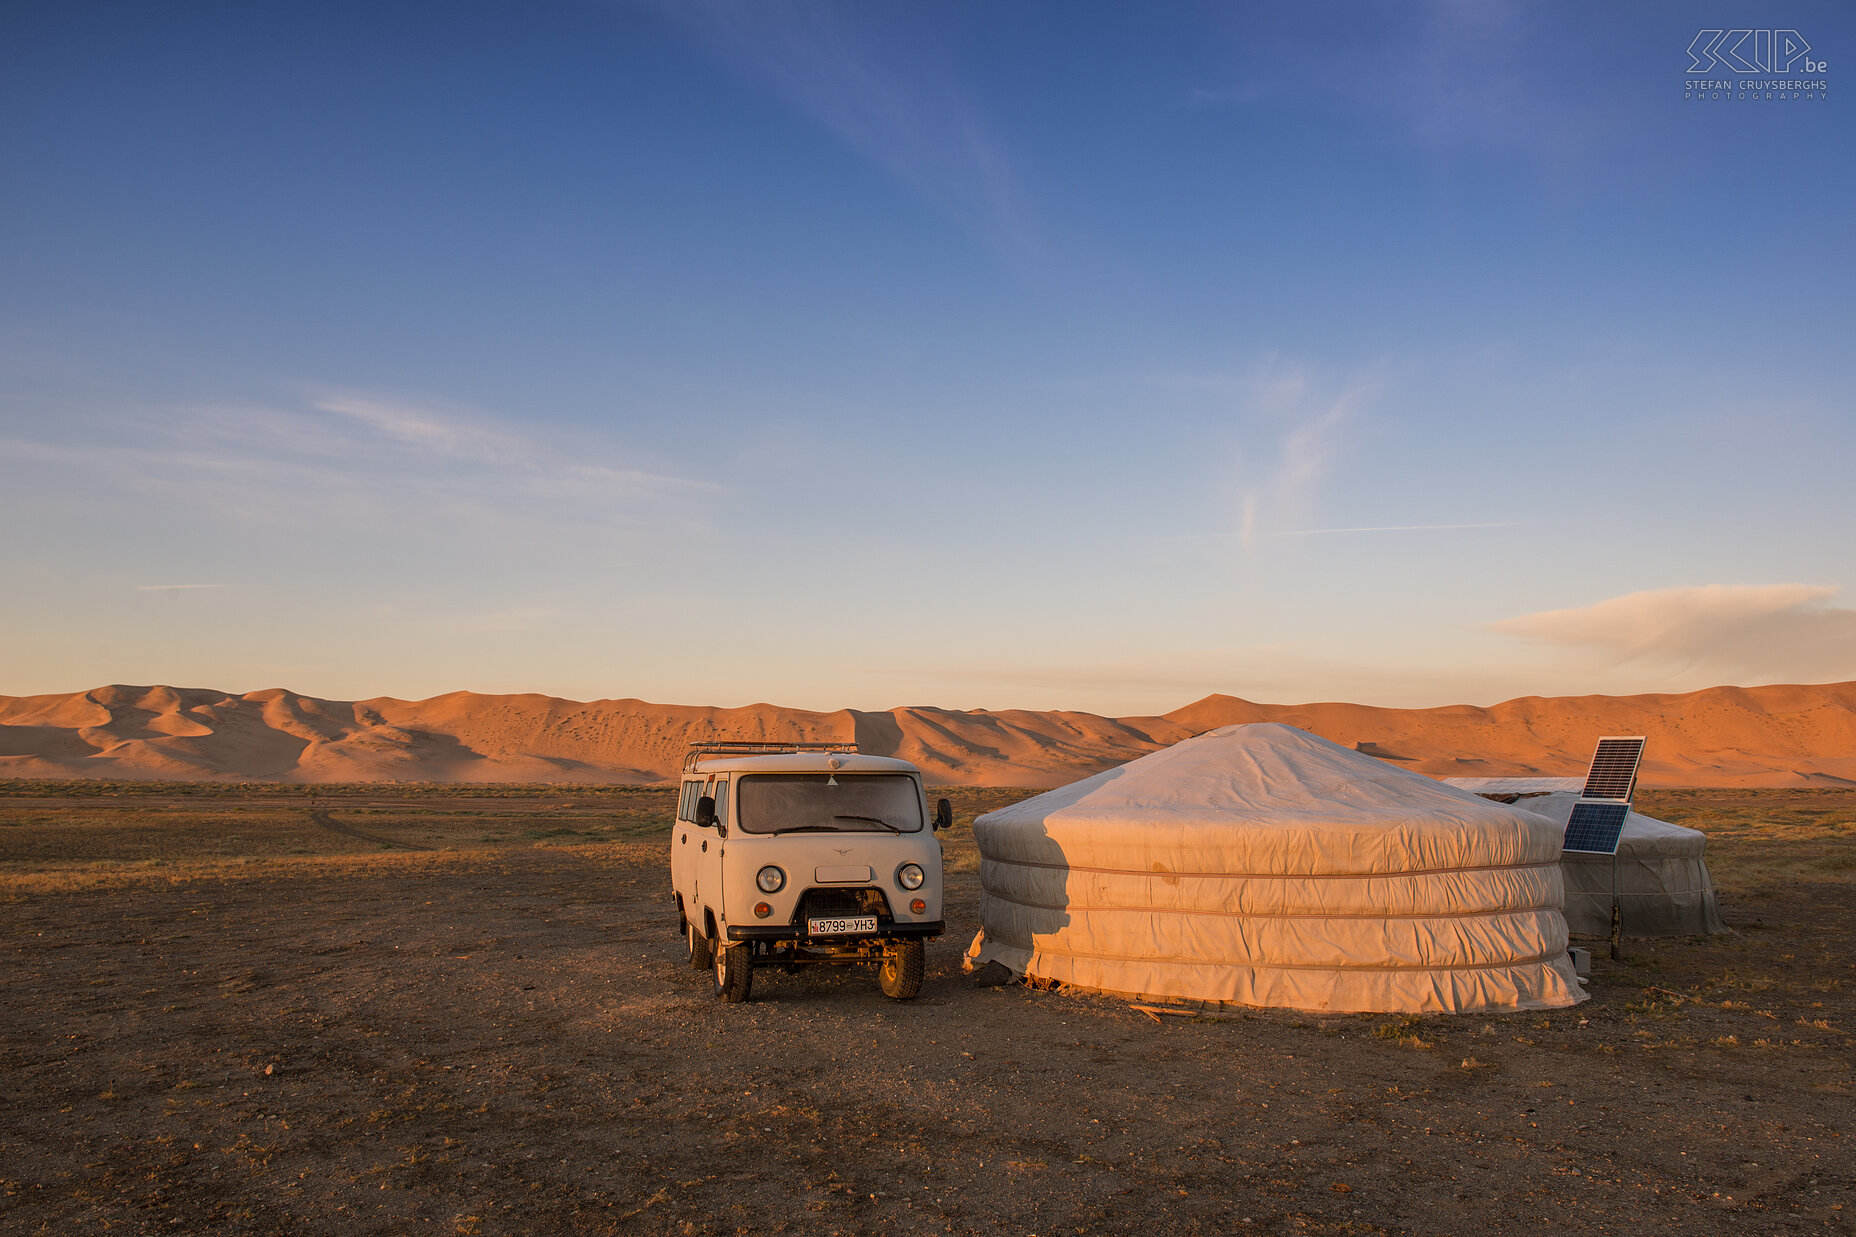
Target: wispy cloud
{"x": 1477, "y": 74}
{"x": 1392, "y": 528}
{"x": 451, "y": 434}
{"x": 1464, "y": 73}
{"x": 1308, "y": 422}
{"x": 881, "y": 91}
{"x": 367, "y": 462}
{"x": 1769, "y": 632}
{"x": 1325, "y": 532}
{"x": 525, "y": 460}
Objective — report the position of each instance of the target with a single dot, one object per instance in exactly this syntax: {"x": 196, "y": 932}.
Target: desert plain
{"x": 364, "y": 1008}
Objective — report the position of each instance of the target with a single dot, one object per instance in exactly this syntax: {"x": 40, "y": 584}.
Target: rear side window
{"x": 686, "y": 806}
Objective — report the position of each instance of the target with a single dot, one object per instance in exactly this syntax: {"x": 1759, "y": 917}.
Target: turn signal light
{"x": 918, "y": 906}
{"x": 762, "y": 910}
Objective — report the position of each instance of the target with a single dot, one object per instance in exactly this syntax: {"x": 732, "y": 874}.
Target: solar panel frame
{"x": 1595, "y": 828}
{"x": 1613, "y": 773}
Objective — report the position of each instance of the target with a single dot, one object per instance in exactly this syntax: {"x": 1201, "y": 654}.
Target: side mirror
{"x": 943, "y": 815}
{"x": 705, "y": 812}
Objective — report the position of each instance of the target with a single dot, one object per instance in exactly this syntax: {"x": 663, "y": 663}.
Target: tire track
{"x": 327, "y": 822}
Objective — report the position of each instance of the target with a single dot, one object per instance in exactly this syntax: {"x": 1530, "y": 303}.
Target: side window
{"x": 686, "y": 806}
{"x": 721, "y": 801}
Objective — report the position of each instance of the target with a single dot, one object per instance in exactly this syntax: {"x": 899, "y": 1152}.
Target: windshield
{"x": 828, "y": 803}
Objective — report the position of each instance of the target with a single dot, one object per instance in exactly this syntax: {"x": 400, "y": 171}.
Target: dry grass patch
{"x": 499, "y": 1034}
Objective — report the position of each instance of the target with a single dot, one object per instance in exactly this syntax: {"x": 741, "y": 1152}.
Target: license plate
{"x": 841, "y": 926}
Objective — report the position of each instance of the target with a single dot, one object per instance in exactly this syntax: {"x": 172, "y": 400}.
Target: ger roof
{"x": 1258, "y": 771}
{"x": 1264, "y": 797}
{"x": 1515, "y": 785}
{"x": 1643, "y": 835}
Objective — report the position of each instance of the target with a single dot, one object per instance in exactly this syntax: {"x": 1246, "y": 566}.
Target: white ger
{"x": 795, "y": 853}
{"x": 1263, "y": 865}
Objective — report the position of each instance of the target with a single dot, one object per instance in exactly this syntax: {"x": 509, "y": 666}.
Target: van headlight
{"x": 910, "y": 876}
{"x": 770, "y": 879}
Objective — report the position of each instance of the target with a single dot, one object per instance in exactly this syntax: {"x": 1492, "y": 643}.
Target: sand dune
{"x": 1725, "y": 736}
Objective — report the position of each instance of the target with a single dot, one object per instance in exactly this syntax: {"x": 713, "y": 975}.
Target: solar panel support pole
{"x": 1617, "y": 914}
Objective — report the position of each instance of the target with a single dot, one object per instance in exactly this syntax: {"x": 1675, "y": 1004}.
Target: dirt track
{"x": 507, "y": 1040}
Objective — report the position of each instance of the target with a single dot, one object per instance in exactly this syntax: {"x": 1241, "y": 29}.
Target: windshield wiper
{"x": 832, "y": 828}
{"x": 872, "y": 819}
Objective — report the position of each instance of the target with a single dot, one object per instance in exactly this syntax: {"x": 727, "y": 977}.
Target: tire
{"x": 702, "y": 954}
{"x": 734, "y": 972}
{"x": 901, "y": 971}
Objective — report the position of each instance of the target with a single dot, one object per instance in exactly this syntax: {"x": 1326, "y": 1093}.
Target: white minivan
{"x": 790, "y": 854}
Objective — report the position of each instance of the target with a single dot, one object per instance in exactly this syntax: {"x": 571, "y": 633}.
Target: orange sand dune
{"x": 1725, "y": 736}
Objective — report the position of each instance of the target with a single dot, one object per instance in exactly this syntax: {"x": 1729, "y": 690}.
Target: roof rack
{"x": 700, "y": 750}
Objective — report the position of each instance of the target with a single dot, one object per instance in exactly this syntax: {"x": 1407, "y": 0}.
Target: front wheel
{"x": 900, "y": 975}
{"x": 702, "y": 954}
{"x": 734, "y": 972}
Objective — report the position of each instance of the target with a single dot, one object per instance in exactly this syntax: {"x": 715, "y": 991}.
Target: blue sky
{"x": 1076, "y": 356}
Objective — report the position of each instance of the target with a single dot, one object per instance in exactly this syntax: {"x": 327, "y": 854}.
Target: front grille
{"x": 827, "y": 903}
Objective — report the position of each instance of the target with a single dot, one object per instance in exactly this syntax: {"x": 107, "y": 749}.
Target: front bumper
{"x": 788, "y": 932}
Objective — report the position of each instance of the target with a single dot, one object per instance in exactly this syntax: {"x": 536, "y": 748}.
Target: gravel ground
{"x": 507, "y": 1039}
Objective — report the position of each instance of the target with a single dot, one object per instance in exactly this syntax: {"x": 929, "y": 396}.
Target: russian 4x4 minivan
{"x": 789, "y": 854}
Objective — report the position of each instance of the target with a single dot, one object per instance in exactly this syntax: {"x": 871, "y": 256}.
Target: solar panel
{"x": 1614, "y": 768}
{"x": 1594, "y": 828}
